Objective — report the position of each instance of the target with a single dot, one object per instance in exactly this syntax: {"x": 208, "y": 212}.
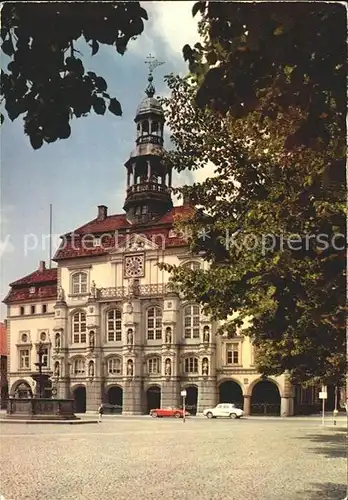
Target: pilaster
{"x": 133, "y": 397}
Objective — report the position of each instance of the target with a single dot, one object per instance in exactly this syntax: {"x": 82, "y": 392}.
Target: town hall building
{"x": 107, "y": 323}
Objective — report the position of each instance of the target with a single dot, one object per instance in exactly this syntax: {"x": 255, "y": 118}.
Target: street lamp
{"x": 183, "y": 395}
{"x": 40, "y": 364}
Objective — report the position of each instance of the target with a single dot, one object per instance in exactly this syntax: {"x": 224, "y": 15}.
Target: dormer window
{"x": 32, "y": 290}
{"x": 96, "y": 242}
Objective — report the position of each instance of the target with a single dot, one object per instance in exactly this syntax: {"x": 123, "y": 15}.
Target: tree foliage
{"x": 271, "y": 220}
{"x": 46, "y": 80}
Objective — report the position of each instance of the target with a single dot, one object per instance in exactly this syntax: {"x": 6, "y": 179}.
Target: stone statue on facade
{"x": 130, "y": 337}
{"x": 206, "y": 334}
{"x": 93, "y": 290}
{"x": 57, "y": 369}
{"x": 60, "y": 295}
{"x": 91, "y": 369}
{"x": 130, "y": 368}
{"x": 91, "y": 339}
{"x": 205, "y": 367}
{"x": 168, "y": 335}
{"x": 57, "y": 341}
{"x": 168, "y": 368}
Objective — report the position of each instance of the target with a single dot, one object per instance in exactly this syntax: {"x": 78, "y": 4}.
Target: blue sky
{"x": 86, "y": 170}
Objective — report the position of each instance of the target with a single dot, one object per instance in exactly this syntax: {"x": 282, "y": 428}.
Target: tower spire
{"x": 153, "y": 64}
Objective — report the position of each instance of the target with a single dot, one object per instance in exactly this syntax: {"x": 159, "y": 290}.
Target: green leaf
{"x": 198, "y": 6}
{"x": 7, "y": 47}
{"x": 36, "y": 141}
{"x": 115, "y": 107}
{"x": 101, "y": 84}
{"x": 95, "y": 47}
{"x": 99, "y": 105}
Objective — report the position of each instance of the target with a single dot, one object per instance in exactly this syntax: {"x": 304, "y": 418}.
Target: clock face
{"x": 134, "y": 266}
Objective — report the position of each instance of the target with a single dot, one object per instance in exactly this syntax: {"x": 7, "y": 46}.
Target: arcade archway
{"x": 153, "y": 398}
{"x": 231, "y": 392}
{"x": 265, "y": 398}
{"x": 115, "y": 397}
{"x": 79, "y": 395}
{"x": 191, "y": 399}
{"x": 21, "y": 390}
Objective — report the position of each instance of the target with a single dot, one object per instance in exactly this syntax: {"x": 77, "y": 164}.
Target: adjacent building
{"x": 108, "y": 325}
{"x": 3, "y": 365}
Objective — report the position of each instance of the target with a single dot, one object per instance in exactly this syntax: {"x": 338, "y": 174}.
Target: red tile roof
{"x": 47, "y": 292}
{"x": 73, "y": 245}
{"x": 3, "y": 340}
{"x": 44, "y": 276}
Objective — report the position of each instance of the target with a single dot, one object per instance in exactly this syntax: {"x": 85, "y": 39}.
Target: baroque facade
{"x": 109, "y": 327}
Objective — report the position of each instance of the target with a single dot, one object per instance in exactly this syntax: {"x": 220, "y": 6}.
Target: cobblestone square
{"x": 144, "y": 458}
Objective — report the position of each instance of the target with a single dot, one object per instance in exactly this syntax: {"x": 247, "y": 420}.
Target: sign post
{"x": 323, "y": 397}
{"x": 183, "y": 395}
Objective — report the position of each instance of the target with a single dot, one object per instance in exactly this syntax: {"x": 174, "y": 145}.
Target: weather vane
{"x": 153, "y": 63}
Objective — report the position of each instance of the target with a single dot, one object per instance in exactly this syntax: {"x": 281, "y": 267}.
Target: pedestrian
{"x": 100, "y": 411}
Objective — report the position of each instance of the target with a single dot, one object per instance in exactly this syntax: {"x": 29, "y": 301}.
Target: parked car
{"x": 109, "y": 409}
{"x": 168, "y": 412}
{"x": 224, "y": 410}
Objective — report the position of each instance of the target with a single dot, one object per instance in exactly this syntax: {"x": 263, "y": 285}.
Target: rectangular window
{"x": 24, "y": 359}
{"x": 233, "y": 354}
{"x": 32, "y": 309}
{"x": 44, "y": 358}
{"x": 44, "y": 308}
{"x": 21, "y": 310}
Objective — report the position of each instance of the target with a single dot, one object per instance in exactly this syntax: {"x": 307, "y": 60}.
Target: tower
{"x": 148, "y": 180}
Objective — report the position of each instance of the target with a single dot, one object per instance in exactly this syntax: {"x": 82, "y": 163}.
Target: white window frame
{"x": 191, "y": 365}
{"x": 233, "y": 348}
{"x": 114, "y": 334}
{"x": 153, "y": 365}
{"x": 26, "y": 365}
{"x": 79, "y": 327}
{"x": 79, "y": 367}
{"x": 79, "y": 283}
{"x": 154, "y": 332}
{"x": 194, "y": 265}
{"x": 191, "y": 318}
{"x": 114, "y": 366}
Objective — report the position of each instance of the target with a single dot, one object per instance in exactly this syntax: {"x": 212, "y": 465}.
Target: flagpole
{"x": 50, "y": 250}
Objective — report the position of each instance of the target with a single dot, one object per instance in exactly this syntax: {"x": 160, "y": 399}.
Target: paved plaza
{"x": 144, "y": 458}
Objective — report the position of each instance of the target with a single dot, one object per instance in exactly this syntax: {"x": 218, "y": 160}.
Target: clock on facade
{"x": 134, "y": 266}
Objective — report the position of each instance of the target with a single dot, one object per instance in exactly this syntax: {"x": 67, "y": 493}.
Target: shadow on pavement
{"x": 334, "y": 444}
{"x": 326, "y": 491}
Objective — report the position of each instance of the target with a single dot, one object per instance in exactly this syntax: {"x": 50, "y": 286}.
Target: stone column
{"x": 207, "y": 394}
{"x": 247, "y": 405}
{"x": 132, "y": 397}
{"x": 285, "y": 407}
{"x": 170, "y": 393}
{"x": 93, "y": 394}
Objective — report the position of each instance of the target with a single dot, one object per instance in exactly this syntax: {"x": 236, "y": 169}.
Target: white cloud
{"x": 169, "y": 22}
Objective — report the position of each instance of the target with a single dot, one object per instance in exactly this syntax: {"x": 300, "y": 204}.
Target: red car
{"x": 168, "y": 412}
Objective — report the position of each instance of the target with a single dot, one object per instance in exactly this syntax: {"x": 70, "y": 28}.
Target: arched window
{"x": 191, "y": 322}
{"x": 153, "y": 365}
{"x": 79, "y": 366}
{"x": 79, "y": 283}
{"x": 154, "y": 323}
{"x": 193, "y": 265}
{"x": 114, "y": 325}
{"x": 145, "y": 128}
{"x": 191, "y": 365}
{"x": 154, "y": 127}
{"x": 114, "y": 366}
{"x": 79, "y": 327}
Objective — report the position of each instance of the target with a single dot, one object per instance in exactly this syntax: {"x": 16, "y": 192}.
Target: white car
{"x": 224, "y": 410}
